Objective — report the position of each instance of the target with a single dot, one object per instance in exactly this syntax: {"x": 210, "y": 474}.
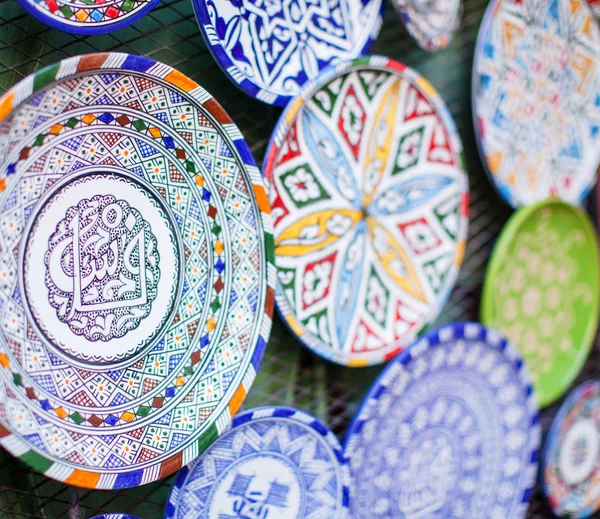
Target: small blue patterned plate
{"x": 275, "y": 462}
{"x": 115, "y": 516}
{"x": 450, "y": 429}
{"x": 270, "y": 49}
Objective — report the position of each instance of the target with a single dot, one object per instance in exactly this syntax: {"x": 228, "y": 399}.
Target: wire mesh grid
{"x": 289, "y": 375}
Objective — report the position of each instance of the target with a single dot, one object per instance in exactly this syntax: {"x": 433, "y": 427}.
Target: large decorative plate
{"x": 271, "y": 49}
{"x": 542, "y": 291}
{"x": 88, "y": 17}
{"x": 536, "y": 97}
{"x": 432, "y": 23}
{"x": 135, "y": 270}
{"x": 276, "y": 462}
{"x": 572, "y": 455}
{"x": 370, "y": 206}
{"x": 450, "y": 429}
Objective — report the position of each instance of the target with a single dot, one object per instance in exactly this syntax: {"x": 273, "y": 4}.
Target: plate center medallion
{"x": 100, "y": 267}
{"x": 579, "y": 453}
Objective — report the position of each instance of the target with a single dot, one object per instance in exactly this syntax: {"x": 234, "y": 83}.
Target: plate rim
{"x": 110, "y": 61}
{"x": 271, "y": 412}
{"x": 507, "y": 236}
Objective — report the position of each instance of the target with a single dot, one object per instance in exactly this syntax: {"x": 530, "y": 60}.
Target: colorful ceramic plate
{"x": 276, "y": 462}
{"x": 595, "y": 5}
{"x": 432, "y": 23}
{"x": 271, "y": 49}
{"x": 572, "y": 455}
{"x": 450, "y": 429}
{"x": 135, "y": 268}
{"x": 536, "y": 97}
{"x": 370, "y": 205}
{"x": 541, "y": 291}
{"x": 88, "y": 16}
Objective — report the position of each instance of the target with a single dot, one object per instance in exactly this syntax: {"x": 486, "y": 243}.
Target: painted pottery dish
{"x": 135, "y": 248}
{"x": 271, "y": 49}
{"x": 450, "y": 429}
{"x": 536, "y": 99}
{"x": 432, "y": 23}
{"x": 115, "y": 516}
{"x": 572, "y": 455}
{"x": 541, "y": 291}
{"x": 370, "y": 204}
{"x": 276, "y": 462}
{"x": 88, "y": 17}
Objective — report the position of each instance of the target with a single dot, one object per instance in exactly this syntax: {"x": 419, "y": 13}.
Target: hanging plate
{"x": 541, "y": 290}
{"x": 276, "y": 462}
{"x": 536, "y": 99}
{"x": 370, "y": 204}
{"x": 134, "y": 258}
{"x": 572, "y": 455}
{"x": 88, "y": 17}
{"x": 271, "y": 49}
{"x": 432, "y": 23}
{"x": 450, "y": 429}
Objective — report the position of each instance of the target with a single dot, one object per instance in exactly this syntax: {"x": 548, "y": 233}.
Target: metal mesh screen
{"x": 289, "y": 375}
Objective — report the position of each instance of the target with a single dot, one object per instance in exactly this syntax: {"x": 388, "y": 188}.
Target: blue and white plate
{"x": 270, "y": 49}
{"x": 572, "y": 455}
{"x": 115, "y": 516}
{"x": 450, "y": 429}
{"x": 276, "y": 462}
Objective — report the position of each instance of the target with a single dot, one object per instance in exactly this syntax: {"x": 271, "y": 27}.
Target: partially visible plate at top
{"x": 271, "y": 49}
{"x": 449, "y": 430}
{"x": 536, "y": 99}
{"x": 88, "y": 17}
{"x": 432, "y": 23}
{"x": 135, "y": 270}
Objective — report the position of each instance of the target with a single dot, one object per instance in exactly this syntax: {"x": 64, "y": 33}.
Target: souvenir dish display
{"x": 536, "y": 99}
{"x": 276, "y": 462}
{"x": 450, "y": 429}
{"x": 270, "y": 50}
{"x": 542, "y": 290}
{"x": 135, "y": 270}
{"x": 88, "y": 17}
{"x": 432, "y": 23}
{"x": 370, "y": 205}
{"x": 572, "y": 455}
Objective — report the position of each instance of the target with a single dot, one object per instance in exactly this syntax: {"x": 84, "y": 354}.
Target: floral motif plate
{"x": 542, "y": 291}
{"x": 536, "y": 99}
{"x": 271, "y": 49}
{"x": 135, "y": 268}
{"x": 432, "y": 23}
{"x": 276, "y": 462}
{"x": 88, "y": 16}
{"x": 450, "y": 429}
{"x": 370, "y": 206}
{"x": 572, "y": 455}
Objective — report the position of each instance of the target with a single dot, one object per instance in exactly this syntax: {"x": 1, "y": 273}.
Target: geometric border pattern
{"x": 455, "y": 331}
{"x": 261, "y": 413}
{"x": 117, "y": 61}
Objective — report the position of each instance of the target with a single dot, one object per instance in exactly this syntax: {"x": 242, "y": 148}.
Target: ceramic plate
{"x": 115, "y": 516}
{"x": 536, "y": 96}
{"x": 276, "y": 462}
{"x": 572, "y": 455}
{"x": 541, "y": 291}
{"x": 450, "y": 429}
{"x": 432, "y": 23}
{"x": 135, "y": 251}
{"x": 370, "y": 206}
{"x": 595, "y": 5}
{"x": 271, "y": 49}
{"x": 88, "y": 16}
